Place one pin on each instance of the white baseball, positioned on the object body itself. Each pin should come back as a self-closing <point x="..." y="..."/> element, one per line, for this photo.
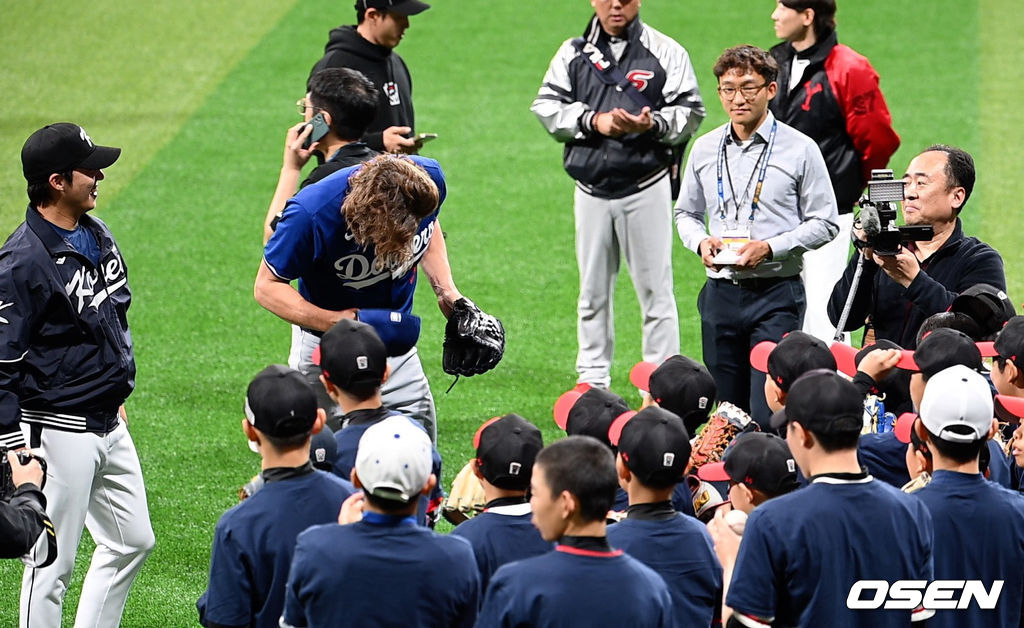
<point x="737" y="520"/>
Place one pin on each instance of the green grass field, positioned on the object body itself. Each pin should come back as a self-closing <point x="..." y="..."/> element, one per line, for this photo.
<point x="199" y="95"/>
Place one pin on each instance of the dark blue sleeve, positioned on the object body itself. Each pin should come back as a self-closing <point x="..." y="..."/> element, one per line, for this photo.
<point x="294" y="614"/>
<point x="228" y="597"/>
<point x="17" y="315"/>
<point x="753" y="587"/>
<point x="998" y="465"/>
<point x="499" y="607"/>
<point x="290" y="252"/>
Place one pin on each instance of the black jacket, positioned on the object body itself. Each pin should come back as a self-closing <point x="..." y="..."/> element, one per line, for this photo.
<point x="347" y="155"/>
<point x="346" y="48"/>
<point x="897" y="312"/>
<point x="66" y="358"/>
<point x="21" y="521"/>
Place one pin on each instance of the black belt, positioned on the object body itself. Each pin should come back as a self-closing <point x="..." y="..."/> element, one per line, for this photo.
<point x="757" y="284"/>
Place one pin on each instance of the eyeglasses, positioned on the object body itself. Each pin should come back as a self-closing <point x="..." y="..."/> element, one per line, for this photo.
<point x="749" y="92"/>
<point x="302" y="104"/>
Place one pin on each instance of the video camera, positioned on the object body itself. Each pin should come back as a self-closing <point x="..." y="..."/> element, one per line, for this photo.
<point x="878" y="216"/>
<point x="7" y="487"/>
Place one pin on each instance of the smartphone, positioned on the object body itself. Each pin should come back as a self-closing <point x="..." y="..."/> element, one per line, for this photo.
<point x="320" y="129"/>
<point x="423" y="138"/>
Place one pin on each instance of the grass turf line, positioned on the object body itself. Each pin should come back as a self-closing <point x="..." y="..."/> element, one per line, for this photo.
<point x="189" y="224"/>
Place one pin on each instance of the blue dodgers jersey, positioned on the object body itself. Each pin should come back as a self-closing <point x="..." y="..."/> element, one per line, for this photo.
<point x="366" y="574"/>
<point x="802" y="552"/>
<point x="499" y="539"/>
<point x="573" y="587"/>
<point x="680" y="550"/>
<point x="979" y="535"/>
<point x="253" y="545"/>
<point x="312" y="243"/>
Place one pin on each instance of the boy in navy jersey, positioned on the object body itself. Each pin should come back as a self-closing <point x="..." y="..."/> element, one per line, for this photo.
<point x="353" y="361"/>
<point x="584" y="582"/>
<point x="506" y="448"/>
<point x="757" y="466"/>
<point x="383" y="569"/>
<point x="254" y="541"/>
<point x="654" y="449"/>
<point x="785" y="361"/>
<point x="979" y="526"/>
<point x="802" y="552"/>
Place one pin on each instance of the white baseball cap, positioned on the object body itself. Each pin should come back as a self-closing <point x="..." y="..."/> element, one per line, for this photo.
<point x="956" y="398"/>
<point x="394" y="459"/>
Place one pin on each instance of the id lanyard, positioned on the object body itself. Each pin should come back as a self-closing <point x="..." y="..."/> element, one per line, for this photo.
<point x="761" y="171"/>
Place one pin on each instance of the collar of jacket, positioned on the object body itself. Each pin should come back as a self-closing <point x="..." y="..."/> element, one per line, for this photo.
<point x="347" y="38"/>
<point x="817" y="53"/>
<point x="52" y="241"/>
<point x="951" y="244"/>
<point x="596" y="35"/>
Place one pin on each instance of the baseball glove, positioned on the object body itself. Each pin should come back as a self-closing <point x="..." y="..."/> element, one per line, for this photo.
<point x="725" y="424"/>
<point x="466" y="498"/>
<point x="473" y="341"/>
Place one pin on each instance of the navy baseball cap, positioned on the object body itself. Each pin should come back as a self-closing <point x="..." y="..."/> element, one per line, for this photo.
<point x="987" y="305"/>
<point x="506" y="448"/>
<point x="796" y="354"/>
<point x="941" y="349"/>
<point x="680" y="385"/>
<point x="280" y="403"/>
<point x="352" y="355"/>
<point x="1009" y="345"/>
<point x="655" y="447"/>
<point x="823" y="402"/>
<point x="759" y="460"/>
<point x="323" y="449"/>
<point x="402" y="7"/>
<point x="62" y="147"/>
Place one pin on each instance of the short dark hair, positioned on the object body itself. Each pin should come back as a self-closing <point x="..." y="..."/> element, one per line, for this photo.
<point x="348" y="96"/>
<point x="961" y="453"/>
<point x="747" y="58"/>
<point x="585" y="467"/>
<point x="390" y="506"/>
<point x="824" y="14"/>
<point x="40" y="193"/>
<point x="836" y="440"/>
<point x="950" y="320"/>
<point x="289" y="443"/>
<point x="959" y="169"/>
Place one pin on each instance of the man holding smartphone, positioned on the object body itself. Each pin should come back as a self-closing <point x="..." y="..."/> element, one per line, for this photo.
<point x="369" y="48"/>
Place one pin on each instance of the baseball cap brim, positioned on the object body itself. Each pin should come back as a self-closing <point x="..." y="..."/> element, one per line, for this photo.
<point x="565" y="402"/>
<point x="1009" y="408"/>
<point x="713" y="472"/>
<point x="615" y="429"/>
<point x="778" y="419"/>
<point x="907" y="362"/>
<point x="102" y="157"/>
<point x="987" y="349"/>
<point x="846" y="358"/>
<point x="903" y="426"/>
<point x="759" y="355"/>
<point x="640" y="375"/>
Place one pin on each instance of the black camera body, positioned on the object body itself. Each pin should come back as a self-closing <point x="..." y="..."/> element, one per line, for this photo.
<point x="878" y="216"/>
<point x="7" y="487"/>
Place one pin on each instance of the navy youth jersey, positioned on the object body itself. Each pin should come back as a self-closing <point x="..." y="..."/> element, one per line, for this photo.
<point x="502" y="535"/>
<point x="979" y="535"/>
<point x="577" y="587"/>
<point x="381" y="571"/>
<point x="313" y="244"/>
<point x="802" y="552"/>
<point x="680" y="550"/>
<point x="253" y="544"/>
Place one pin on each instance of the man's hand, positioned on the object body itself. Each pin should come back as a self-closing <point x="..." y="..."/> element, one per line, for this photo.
<point x="352" y="508"/>
<point x="295" y="156"/>
<point x="727" y="542"/>
<point x="709" y="248"/>
<point x="619" y="122"/>
<point x="879" y="363"/>
<point x="24" y="473"/>
<point x="753" y="253"/>
<point x="901" y="268"/>
<point x="395" y="141"/>
<point x="860" y="237"/>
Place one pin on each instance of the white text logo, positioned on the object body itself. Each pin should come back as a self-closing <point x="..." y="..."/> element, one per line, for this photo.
<point x="913" y="594"/>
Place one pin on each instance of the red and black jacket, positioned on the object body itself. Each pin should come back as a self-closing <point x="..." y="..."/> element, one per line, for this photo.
<point x="837" y="103"/>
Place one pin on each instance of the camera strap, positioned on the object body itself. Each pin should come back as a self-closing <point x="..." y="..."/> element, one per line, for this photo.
<point x="609" y="73"/>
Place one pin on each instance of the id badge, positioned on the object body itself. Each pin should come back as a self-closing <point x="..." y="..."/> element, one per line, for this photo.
<point x="732" y="241"/>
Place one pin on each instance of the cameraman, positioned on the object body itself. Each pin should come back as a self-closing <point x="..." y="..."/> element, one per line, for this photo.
<point x="897" y="292"/>
<point x="21" y="519"/>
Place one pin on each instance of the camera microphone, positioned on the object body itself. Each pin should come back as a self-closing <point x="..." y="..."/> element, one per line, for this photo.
<point x="869" y="221"/>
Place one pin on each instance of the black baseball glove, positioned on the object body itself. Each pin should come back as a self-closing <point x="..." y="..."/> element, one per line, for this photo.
<point x="473" y="340"/>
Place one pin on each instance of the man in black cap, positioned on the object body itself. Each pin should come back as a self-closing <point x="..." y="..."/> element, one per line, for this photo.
<point x="66" y="368"/>
<point x="654" y="449"/>
<point x="254" y="541"/>
<point x="505" y="450"/>
<point x="369" y="48"/>
<point x="353" y="360"/>
<point x="757" y="466"/>
<point x="781" y="576"/>
<point x="784" y="362"/>
<point x="986" y="305"/>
